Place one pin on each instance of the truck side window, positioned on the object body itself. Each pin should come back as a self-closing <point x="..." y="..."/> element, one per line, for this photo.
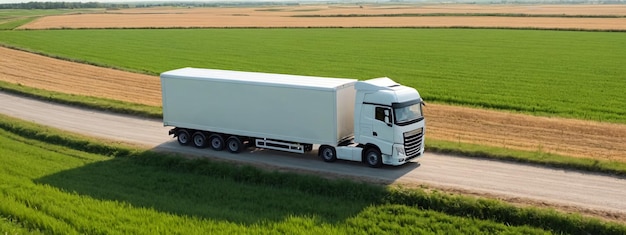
<point x="380" y="114"/>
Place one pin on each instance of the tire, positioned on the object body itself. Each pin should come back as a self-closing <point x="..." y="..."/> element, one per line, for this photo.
<point x="216" y="142"/>
<point x="234" y="144"/>
<point x="328" y="153"/>
<point x="199" y="140"/>
<point x="373" y="158"/>
<point x="183" y="137"/>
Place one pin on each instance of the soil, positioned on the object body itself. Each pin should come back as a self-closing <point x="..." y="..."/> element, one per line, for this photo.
<point x="578" y="138"/>
<point x="281" y="16"/>
<point x="38" y="71"/>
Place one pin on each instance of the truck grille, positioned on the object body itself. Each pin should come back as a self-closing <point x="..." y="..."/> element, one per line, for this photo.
<point x="413" y="142"/>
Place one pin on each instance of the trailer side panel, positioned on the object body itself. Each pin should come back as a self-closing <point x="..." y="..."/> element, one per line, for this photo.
<point x="259" y="106"/>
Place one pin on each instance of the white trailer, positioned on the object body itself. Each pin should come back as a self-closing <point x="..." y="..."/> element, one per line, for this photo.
<point x="231" y="109"/>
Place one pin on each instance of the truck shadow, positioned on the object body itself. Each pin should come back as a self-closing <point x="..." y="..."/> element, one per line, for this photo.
<point x="300" y="163"/>
<point x="197" y="188"/>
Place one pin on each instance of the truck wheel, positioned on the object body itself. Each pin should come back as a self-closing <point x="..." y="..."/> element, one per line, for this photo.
<point x="183" y="137"/>
<point x="217" y="142"/>
<point x="199" y="140"/>
<point x="373" y="158"/>
<point x="234" y="144"/>
<point x="328" y="153"/>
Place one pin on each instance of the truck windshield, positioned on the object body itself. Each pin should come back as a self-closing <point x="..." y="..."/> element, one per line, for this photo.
<point x="408" y="114"/>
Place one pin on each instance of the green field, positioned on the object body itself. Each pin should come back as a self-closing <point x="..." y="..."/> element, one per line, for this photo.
<point x="58" y="183"/>
<point x="12" y="18"/>
<point x="8" y="14"/>
<point x="553" y="73"/>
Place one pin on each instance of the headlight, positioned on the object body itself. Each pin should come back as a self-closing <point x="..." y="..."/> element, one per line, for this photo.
<point x="400" y="149"/>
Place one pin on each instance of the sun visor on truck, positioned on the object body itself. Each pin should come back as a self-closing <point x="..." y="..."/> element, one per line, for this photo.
<point x="376" y="84"/>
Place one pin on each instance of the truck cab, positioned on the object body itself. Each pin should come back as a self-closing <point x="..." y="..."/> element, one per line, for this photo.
<point x="389" y="123"/>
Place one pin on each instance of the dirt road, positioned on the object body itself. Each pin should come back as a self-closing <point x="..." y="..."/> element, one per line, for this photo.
<point x="458" y="124"/>
<point x="602" y="195"/>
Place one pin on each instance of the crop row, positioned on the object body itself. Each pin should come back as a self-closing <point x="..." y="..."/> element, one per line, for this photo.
<point x="59" y="183"/>
<point x="554" y="73"/>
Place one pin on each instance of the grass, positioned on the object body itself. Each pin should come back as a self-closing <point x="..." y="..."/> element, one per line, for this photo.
<point x="13" y="18"/>
<point x="9" y="226"/>
<point x="432" y="145"/>
<point x="551" y="73"/>
<point x="18" y="13"/>
<point x="60" y="183"/>
<point x="14" y="23"/>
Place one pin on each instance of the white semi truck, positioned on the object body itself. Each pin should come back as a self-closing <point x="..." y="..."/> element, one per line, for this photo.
<point x="377" y="121"/>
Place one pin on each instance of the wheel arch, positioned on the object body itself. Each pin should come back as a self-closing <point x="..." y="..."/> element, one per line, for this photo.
<point x="365" y="148"/>
<point x="327" y="158"/>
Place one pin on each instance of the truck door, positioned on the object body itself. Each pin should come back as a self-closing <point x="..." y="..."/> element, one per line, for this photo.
<point x="382" y="129"/>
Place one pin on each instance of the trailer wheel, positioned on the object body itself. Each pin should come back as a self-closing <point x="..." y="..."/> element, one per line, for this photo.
<point x="199" y="140"/>
<point x="183" y="137"/>
<point x="234" y="144"/>
<point x="328" y="153"/>
<point x="373" y="158"/>
<point x="217" y="142"/>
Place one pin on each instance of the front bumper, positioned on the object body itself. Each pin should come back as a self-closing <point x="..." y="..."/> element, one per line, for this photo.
<point x="398" y="157"/>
